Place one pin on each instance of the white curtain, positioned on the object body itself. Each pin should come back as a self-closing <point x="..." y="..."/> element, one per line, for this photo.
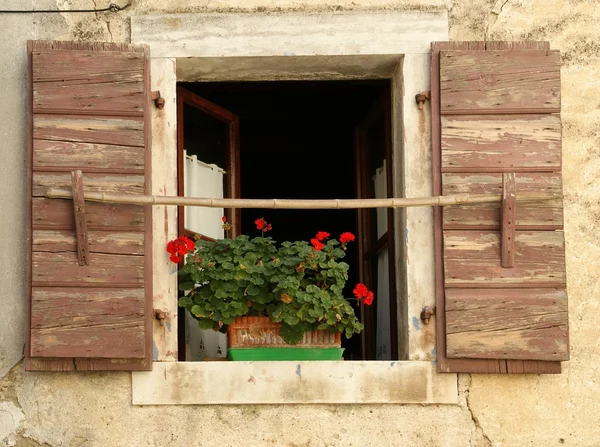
<point x="382" y="337"/>
<point x="203" y="180"/>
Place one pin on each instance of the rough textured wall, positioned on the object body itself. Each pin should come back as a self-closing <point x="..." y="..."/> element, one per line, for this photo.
<point x="94" y="409"/>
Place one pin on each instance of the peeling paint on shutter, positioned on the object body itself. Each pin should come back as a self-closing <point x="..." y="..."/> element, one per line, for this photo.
<point x="88" y="111"/>
<point x="496" y="112"/>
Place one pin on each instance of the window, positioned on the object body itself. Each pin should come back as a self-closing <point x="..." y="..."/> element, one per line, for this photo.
<point x="299" y="140"/>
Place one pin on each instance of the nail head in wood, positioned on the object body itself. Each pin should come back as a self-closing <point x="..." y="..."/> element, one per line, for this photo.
<point x="83" y="250"/>
<point x="509" y="208"/>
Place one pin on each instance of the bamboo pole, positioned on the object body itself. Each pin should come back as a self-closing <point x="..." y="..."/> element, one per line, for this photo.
<point x="461" y="199"/>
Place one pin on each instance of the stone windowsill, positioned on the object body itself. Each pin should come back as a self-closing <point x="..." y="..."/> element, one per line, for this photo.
<point x="193" y="383"/>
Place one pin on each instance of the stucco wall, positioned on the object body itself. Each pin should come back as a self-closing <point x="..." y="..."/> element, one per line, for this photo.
<point x="94" y="409"/>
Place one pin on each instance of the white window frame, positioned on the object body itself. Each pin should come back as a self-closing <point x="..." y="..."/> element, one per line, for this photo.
<point x="296" y="46"/>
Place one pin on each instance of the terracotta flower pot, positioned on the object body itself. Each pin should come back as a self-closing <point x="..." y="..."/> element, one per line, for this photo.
<point x="262" y="332"/>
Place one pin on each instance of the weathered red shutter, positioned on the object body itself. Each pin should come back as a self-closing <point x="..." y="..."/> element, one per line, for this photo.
<point x="500" y="273"/>
<point x="88" y="111"/>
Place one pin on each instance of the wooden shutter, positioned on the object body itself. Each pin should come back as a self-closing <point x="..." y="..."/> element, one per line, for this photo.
<point x="88" y="111"/>
<point x="500" y="272"/>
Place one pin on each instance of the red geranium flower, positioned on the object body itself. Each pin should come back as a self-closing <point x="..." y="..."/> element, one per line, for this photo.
<point x="179" y="247"/>
<point x="260" y="223"/>
<point x="321" y="235"/>
<point x="317" y="244"/>
<point x="226" y="225"/>
<point x="360" y="291"/>
<point x="176" y="258"/>
<point x="346" y="237"/>
<point x="188" y="242"/>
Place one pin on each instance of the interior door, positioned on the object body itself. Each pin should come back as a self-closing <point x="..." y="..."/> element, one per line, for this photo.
<point x="207" y="166"/>
<point x="373" y="152"/>
<point x="216" y="143"/>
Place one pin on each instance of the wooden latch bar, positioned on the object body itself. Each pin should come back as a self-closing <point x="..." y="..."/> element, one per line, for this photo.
<point x="83" y="248"/>
<point x="509" y="208"/>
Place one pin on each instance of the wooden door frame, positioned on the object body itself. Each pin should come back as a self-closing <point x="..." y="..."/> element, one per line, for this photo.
<point x="366" y="249"/>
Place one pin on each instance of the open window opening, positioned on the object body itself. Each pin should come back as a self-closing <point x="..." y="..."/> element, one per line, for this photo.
<point x="297" y="140"/>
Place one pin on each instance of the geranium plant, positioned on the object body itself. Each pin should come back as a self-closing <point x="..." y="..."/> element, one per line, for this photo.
<point x="298" y="284"/>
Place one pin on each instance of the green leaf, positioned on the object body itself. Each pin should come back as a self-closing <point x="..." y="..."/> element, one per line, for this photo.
<point x="220" y="293"/>
<point x="185" y="301"/>
<point x="252" y="290"/>
<point x="292" y="319"/>
<point x="189" y="285"/>
<point x="197" y="311"/>
<point x="291" y="334"/>
<point x="205" y="323"/>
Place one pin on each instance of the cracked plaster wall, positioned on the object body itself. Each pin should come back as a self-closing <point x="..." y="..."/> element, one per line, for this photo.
<point x="86" y="409"/>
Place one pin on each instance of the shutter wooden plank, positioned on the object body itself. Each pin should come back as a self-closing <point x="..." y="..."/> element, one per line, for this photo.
<point x="548" y="214"/>
<point x="57" y="214"/>
<point x="507" y="324"/>
<point x="48" y="154"/>
<point x="87" y="129"/>
<point x="477" y="82"/>
<point x="491" y="142"/>
<point x="126" y="184"/>
<point x="516" y="45"/>
<point x="105" y="270"/>
<point x="87" y="364"/>
<point x="473" y="258"/>
<point x="532" y="367"/>
<point x="122" y="98"/>
<point x="85" y="66"/>
<point x="106" y="242"/>
<point x="83" y="323"/>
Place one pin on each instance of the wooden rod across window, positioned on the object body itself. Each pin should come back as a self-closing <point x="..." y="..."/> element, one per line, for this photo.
<point x="461" y="199"/>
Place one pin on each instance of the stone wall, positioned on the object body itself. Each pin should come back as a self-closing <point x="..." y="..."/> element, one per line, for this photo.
<point x="86" y="409"/>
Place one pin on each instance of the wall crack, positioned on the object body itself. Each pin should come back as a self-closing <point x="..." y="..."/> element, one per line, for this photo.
<point x="493" y="16"/>
<point x="482" y="439"/>
<point x="498" y="7"/>
<point x="107" y="22"/>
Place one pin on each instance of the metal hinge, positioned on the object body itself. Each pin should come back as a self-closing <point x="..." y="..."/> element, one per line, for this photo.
<point x="427" y="313"/>
<point x="161" y="316"/>
<point x="421" y="98"/>
<point x="158" y="101"/>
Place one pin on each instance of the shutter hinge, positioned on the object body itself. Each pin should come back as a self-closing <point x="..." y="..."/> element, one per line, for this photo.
<point x="427" y="313"/>
<point x="158" y="101"/>
<point x="421" y="98"/>
<point x="161" y="316"/>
